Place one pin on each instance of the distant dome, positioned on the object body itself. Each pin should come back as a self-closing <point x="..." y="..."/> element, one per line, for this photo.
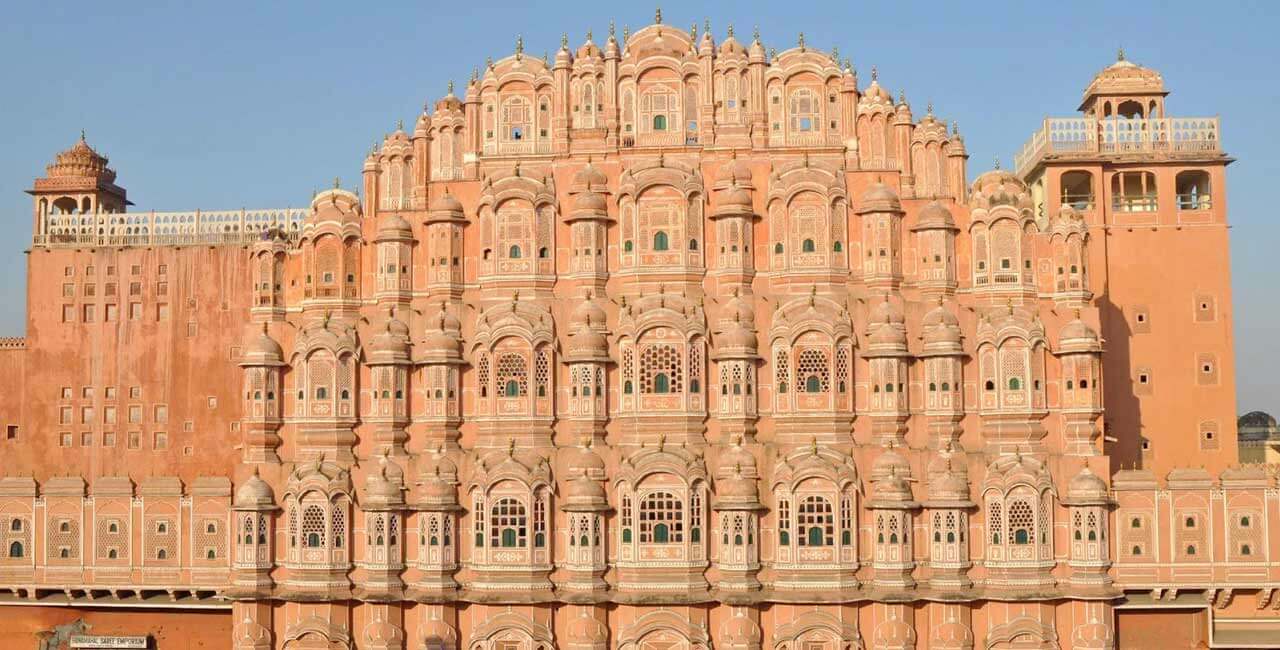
<point x="935" y="216"/>
<point x="394" y="225"/>
<point x="1125" y="78"/>
<point x="880" y="198"/>
<point x="1087" y="485"/>
<point x="1256" y="419"/>
<point x="81" y="161"/>
<point x="255" y="493"/>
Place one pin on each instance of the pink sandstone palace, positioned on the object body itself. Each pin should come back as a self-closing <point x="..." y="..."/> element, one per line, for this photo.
<point x="668" y="342"/>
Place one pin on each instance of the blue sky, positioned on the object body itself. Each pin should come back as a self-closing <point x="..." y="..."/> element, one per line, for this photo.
<point x="244" y="104"/>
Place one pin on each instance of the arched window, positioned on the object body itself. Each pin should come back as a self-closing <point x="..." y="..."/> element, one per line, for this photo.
<point x="1014" y="383"/>
<point x="661" y="519"/>
<point x="813" y="384"/>
<point x="15" y="550"/>
<point x="1077" y="190"/>
<point x="627" y="246"/>
<point x="313" y="526"/>
<point x="661" y="384"/>
<point x="514" y="253"/>
<point x="815" y="522"/>
<point x="1193" y="190"/>
<point x="512" y="389"/>
<point x="837" y="247"/>
<point x="508" y="524"/>
<point x="1020" y="522"/>
<point x="777" y="248"/>
<point x="659" y="122"/>
<point x="660" y="241"/>
<point x="16" y="525"/>
<point x="808" y="246"/>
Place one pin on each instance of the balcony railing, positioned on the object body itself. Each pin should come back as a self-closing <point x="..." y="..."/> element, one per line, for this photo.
<point x="1085" y="135"/>
<point x="212" y="228"/>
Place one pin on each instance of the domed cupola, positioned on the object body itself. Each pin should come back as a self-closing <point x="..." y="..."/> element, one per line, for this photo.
<point x="739" y="631"/>
<point x="730" y="46"/>
<point x="886" y="330"/>
<point x="437" y="481"/>
<point x="81" y="161"/>
<point x="589" y="50"/>
<point x="935" y="216"/>
<point x="394" y="228"/>
<point x="334" y="205"/>
<point x="262" y="350"/>
<point x="949" y="487"/>
<point x="584" y="490"/>
<point x="391" y="345"/>
<point x="255" y="494"/>
<point x="942" y="334"/>
<point x="1087" y="487"/>
<point x="441" y="343"/>
<point x="755" y="51"/>
<point x="1077" y="336"/>
<point x="733" y="172"/>
<point x="588" y="341"/>
<point x="384" y="486"/>
<point x="445" y="207"/>
<point x="892" y="489"/>
<point x="584" y="631"/>
<point x="889" y="462"/>
<point x="880" y="198"/>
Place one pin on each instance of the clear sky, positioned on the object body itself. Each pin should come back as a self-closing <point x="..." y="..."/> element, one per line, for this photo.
<point x="222" y="105"/>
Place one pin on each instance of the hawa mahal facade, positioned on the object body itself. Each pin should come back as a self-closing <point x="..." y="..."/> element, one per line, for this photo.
<point x="663" y="343"/>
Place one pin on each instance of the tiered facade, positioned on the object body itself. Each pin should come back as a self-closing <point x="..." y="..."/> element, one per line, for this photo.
<point x="664" y="343"/>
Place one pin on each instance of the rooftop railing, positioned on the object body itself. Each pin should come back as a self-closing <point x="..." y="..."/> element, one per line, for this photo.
<point x="1086" y="135"/>
<point x="212" y="228"/>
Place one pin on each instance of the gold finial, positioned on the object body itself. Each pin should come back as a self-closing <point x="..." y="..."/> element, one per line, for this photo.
<point x="511" y="447"/>
<point x="564" y="40"/>
<point x="611" y="29"/>
<point x="997" y="163"/>
<point x="82" y="135"/>
<point x="693" y="31"/>
<point x="337" y="183"/>
<point x="519" y="44"/>
<point x="801" y="41"/>
<point x="755" y="33"/>
<point x="662" y="441"/>
<point x="875" y="73"/>
<point x="848" y="65"/>
<point x="450" y="86"/>
<point x="929" y="107"/>
<point x="488" y="62"/>
<point x="626" y="33"/>
<point x="730" y="30"/>
<point x="590" y="33"/>
<point x="1120" y="54"/>
<point x="400" y="125"/>
<point x="657" y="16"/>
<point x="835" y="54"/>
<point x="813" y="445"/>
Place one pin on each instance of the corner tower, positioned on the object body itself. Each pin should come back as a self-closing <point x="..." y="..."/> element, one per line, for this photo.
<point x="76" y="190"/>
<point x="1145" y="188"/>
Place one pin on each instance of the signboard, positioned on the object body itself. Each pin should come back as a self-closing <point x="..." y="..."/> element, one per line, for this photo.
<point x="95" y="641"/>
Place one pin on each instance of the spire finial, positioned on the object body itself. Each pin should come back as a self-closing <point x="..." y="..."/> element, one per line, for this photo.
<point x="519" y="44"/>
<point x="1120" y="54"/>
<point x="400" y="125"/>
<point x="730" y="30"/>
<point x="337" y="183"/>
<point x="902" y="96"/>
<point x="706" y="27"/>
<point x="955" y="128"/>
<point x="693" y="31"/>
<point x="835" y="54"/>
<point x="450" y="86"/>
<point x="997" y="163"/>
<point x="590" y="35"/>
<point x="612" y="29"/>
<point x="800" y="41"/>
<point x="657" y="15"/>
<point x="511" y="447"/>
<point x="564" y="40"/>
<point x="475" y="74"/>
<point x="848" y="65"/>
<point x="813" y="445"/>
<point x="755" y="33"/>
<point x="626" y="33"/>
<point x="929" y="107"/>
<point x="875" y="73"/>
<point x="82" y="135"/>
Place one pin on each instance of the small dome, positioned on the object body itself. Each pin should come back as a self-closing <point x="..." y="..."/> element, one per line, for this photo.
<point x="582" y="459"/>
<point x="731" y="46"/>
<point x="740" y="631"/>
<point x="1256" y="419"/>
<point x="736" y="196"/>
<point x="588" y="313"/>
<point x="737" y="458"/>
<point x="740" y="309"/>
<point x="887" y="311"/>
<point x="590" y="202"/>
<point x="81" y="161"/>
<point x="1077" y="336"/>
<point x="590" y="178"/>
<point x="737" y="336"/>
<point x="589" y="50"/>
<point x="389" y="341"/>
<point x="335" y="205"/>
<point x="394" y="225"/>
<point x="880" y="198"/>
<point x="440" y="340"/>
<point x="935" y="216"/>
<point x="876" y="91"/>
<point x="380" y="488"/>
<point x="737" y="488"/>
<point x="734" y="172"/>
<point x="262" y="349"/>
<point x="588" y="342"/>
<point x="890" y="462"/>
<point x="1087" y="485"/>
<point x="949" y="484"/>
<point x="941" y="330"/>
<point x="893" y="488"/>
<point x="255" y="493"/>
<point x="446" y="203"/>
<point x="1125" y="77"/>
<point x="584" y="488"/>
<point x="585" y="629"/>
